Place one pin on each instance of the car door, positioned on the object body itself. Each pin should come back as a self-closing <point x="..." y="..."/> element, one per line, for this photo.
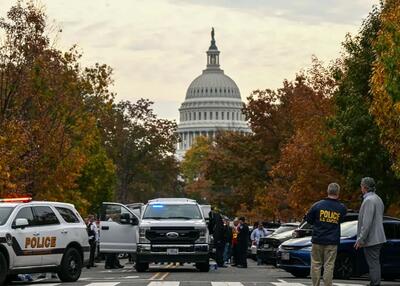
<point x="51" y="241"/>
<point x="391" y="249"/>
<point x="118" y="235"/>
<point x="25" y="240"/>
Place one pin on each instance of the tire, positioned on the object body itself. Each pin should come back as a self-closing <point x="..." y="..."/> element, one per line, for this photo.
<point x="344" y="267"/>
<point x="71" y="266"/>
<point x="141" y="266"/>
<point x="390" y="277"/>
<point x="300" y="273"/>
<point x="203" y="266"/>
<point x="3" y="268"/>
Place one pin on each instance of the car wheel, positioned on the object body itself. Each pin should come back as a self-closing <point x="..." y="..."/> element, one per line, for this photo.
<point x="203" y="267"/>
<point x="3" y="268"/>
<point x="71" y="266"/>
<point x="390" y="277"/>
<point x="141" y="266"/>
<point x="300" y="273"/>
<point x="344" y="267"/>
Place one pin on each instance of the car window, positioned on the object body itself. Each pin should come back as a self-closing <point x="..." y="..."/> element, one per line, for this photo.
<point x="348" y="229"/>
<point x="45" y="216"/>
<point x="390" y="230"/>
<point x="113" y="213"/>
<point x="172" y="211"/>
<point x="68" y="215"/>
<point x="26" y="213"/>
<point x="284" y="228"/>
<point x="5" y="213"/>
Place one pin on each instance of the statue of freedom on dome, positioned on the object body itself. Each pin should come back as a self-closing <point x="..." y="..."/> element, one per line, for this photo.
<point x="212" y="34"/>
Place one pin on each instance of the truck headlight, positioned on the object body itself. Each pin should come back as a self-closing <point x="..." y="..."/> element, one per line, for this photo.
<point x="203" y="235"/>
<point x="142" y="236"/>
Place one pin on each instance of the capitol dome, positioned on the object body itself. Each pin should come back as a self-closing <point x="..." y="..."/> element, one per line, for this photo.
<point x="212" y="104"/>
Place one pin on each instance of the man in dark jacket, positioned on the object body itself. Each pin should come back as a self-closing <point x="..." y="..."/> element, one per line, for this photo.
<point x="242" y="243"/>
<point x="325" y="216"/>
<point x="219" y="239"/>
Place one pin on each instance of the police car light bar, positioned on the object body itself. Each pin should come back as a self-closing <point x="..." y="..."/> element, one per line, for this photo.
<point x="16" y="200"/>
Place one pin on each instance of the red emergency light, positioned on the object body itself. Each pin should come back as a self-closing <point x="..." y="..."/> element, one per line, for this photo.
<point x="16" y="200"/>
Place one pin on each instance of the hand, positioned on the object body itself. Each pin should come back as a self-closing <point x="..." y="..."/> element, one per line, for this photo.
<point x="357" y="245"/>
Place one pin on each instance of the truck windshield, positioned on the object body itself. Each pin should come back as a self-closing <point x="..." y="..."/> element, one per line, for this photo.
<point x="172" y="211"/>
<point x="4" y="214"/>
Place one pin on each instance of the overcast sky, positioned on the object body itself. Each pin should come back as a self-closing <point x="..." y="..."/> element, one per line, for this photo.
<point x="157" y="47"/>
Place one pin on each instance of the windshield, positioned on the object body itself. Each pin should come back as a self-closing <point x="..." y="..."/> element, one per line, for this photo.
<point x="170" y="211"/>
<point x="284" y="228"/>
<point x="348" y="229"/>
<point x="4" y="214"/>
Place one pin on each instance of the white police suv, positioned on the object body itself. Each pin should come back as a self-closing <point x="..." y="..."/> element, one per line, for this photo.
<point x="38" y="237"/>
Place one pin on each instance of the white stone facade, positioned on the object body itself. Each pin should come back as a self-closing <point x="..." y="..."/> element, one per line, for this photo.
<point x="213" y="103"/>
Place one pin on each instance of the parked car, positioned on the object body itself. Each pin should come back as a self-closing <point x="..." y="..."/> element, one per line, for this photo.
<point x="294" y="255"/>
<point x="269" y="245"/>
<point x="305" y="229"/>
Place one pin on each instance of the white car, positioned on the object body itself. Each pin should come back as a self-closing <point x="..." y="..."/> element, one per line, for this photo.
<point x="37" y="237"/>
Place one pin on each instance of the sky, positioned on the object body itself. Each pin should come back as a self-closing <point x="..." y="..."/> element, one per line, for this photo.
<point x="157" y="47"/>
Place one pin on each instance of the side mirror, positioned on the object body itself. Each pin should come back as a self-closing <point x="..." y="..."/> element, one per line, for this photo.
<point x="125" y="218"/>
<point x="134" y="220"/>
<point x="21" y="223"/>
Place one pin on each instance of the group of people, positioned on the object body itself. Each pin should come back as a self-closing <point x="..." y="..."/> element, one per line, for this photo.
<point x="326" y="216"/>
<point x="231" y="241"/>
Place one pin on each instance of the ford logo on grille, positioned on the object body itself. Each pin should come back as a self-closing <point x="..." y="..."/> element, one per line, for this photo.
<point x="172" y="235"/>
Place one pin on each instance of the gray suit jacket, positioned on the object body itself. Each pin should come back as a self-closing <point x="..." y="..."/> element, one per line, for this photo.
<point x="370" y="221"/>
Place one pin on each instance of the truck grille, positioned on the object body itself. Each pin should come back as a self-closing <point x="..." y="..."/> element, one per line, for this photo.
<point x="172" y="235"/>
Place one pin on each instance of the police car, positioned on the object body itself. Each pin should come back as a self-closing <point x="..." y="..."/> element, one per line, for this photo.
<point x="38" y="237"/>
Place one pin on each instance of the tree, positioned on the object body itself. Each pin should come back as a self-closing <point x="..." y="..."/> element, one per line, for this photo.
<point x="142" y="147"/>
<point x="385" y="81"/>
<point x="48" y="134"/>
<point x="301" y="176"/>
<point x="355" y="140"/>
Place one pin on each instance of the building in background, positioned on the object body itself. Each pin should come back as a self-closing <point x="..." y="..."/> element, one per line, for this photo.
<point x="212" y="104"/>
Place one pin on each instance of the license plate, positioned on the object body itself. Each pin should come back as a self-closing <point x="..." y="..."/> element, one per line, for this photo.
<point x="285" y="256"/>
<point x="172" y="251"/>
<point x="266" y="245"/>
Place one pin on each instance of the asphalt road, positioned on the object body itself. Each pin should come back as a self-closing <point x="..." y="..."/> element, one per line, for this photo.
<point x="171" y="275"/>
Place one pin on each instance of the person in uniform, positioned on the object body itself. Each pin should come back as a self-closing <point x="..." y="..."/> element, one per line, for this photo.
<point x="325" y="216"/>
<point x="93" y="239"/>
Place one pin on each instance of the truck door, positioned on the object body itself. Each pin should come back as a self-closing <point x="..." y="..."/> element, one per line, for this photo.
<point x="118" y="229"/>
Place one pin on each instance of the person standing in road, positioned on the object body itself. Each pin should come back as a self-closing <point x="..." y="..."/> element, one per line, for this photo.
<point x="234" y="241"/>
<point x="219" y="239"/>
<point x="242" y="243"/>
<point x="325" y="216"/>
<point x="93" y="238"/>
<point x="228" y="241"/>
<point x="370" y="231"/>
<point x="258" y="232"/>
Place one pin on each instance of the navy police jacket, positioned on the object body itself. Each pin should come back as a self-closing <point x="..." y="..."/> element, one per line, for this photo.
<point x="326" y="216"/>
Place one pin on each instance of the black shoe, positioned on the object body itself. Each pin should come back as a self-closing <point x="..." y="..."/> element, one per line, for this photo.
<point x="222" y="266"/>
<point x="241" y="266"/>
<point x="119" y="266"/>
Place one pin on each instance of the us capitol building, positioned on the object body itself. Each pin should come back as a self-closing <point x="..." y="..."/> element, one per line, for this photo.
<point x="212" y="104"/>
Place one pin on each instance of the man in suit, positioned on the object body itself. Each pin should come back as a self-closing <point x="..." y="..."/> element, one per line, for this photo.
<point x="370" y="232"/>
<point x="242" y="243"/>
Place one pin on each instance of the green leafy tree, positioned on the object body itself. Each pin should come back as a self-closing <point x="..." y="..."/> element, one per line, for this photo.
<point x="142" y="147"/>
<point x="356" y="148"/>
